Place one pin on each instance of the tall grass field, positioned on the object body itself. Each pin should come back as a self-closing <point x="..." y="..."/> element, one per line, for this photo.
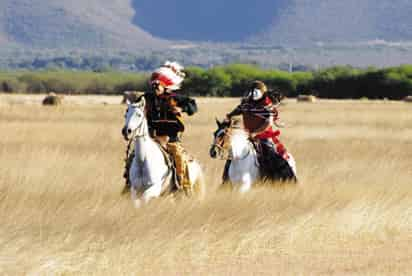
<point x="62" y="212"/>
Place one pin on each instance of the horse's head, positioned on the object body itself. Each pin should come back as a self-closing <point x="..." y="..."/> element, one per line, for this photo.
<point x="230" y="140"/>
<point x="220" y="139"/>
<point x="134" y="119"/>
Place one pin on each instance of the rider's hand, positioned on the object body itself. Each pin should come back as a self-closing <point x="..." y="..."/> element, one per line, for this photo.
<point x="176" y="110"/>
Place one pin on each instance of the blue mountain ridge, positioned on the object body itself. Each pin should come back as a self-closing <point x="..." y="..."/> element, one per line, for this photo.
<point x="124" y="24"/>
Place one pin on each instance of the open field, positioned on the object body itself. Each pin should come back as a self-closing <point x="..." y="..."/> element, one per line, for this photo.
<point x="62" y="213"/>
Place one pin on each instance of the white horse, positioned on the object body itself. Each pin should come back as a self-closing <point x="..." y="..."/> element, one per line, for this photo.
<point x="244" y="168"/>
<point x="149" y="175"/>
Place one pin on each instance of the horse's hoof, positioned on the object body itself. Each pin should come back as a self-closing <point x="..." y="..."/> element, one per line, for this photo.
<point x="125" y="190"/>
<point x="137" y="203"/>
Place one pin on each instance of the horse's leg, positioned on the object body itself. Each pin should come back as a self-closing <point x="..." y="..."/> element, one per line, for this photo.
<point x="152" y="192"/>
<point x="126" y="174"/>
<point x="135" y="184"/>
<point x="225" y="176"/>
<point x="242" y="174"/>
<point x="153" y="172"/>
<point x="196" y="179"/>
<point x="246" y="183"/>
<point x="136" y="201"/>
<point x="235" y="177"/>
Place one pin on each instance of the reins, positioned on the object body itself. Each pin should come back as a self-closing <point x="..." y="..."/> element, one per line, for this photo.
<point x="133" y="139"/>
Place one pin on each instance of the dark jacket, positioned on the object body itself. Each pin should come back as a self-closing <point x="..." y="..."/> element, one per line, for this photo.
<point x="161" y="118"/>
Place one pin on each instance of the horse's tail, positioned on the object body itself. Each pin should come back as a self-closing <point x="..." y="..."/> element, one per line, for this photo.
<point x="197" y="179"/>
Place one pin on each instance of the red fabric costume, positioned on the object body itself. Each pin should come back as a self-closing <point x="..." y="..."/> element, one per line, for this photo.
<point x="270" y="133"/>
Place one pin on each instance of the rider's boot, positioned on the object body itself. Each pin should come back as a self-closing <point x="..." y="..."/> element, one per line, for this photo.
<point x="176" y="150"/>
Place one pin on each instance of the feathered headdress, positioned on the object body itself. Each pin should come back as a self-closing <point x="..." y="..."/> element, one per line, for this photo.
<point x="170" y="75"/>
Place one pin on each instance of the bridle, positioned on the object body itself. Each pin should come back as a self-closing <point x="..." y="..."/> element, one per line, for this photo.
<point x="139" y="131"/>
<point x="135" y="134"/>
<point x="223" y="152"/>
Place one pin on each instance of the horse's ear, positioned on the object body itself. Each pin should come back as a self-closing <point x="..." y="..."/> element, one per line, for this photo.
<point x="126" y="97"/>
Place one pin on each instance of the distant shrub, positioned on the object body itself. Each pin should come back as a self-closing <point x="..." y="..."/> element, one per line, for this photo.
<point x="12" y="86"/>
<point x="130" y="86"/>
<point x="339" y="82"/>
<point x="408" y="99"/>
<point x="52" y="99"/>
<point x="99" y="87"/>
<point x="306" y="98"/>
<point x="33" y="83"/>
<point x="59" y="85"/>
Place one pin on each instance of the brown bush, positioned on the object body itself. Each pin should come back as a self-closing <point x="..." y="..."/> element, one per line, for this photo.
<point x="52" y="99"/>
<point x="408" y="99"/>
<point x="306" y="98"/>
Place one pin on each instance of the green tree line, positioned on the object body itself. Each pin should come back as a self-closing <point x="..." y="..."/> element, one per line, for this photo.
<point x="224" y="81"/>
<point x="71" y="82"/>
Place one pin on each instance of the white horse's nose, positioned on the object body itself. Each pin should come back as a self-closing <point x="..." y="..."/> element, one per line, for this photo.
<point x="213" y="152"/>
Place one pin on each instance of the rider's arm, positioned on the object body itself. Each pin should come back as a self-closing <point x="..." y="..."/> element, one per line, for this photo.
<point x="187" y="105"/>
<point x="238" y="109"/>
<point x="235" y="112"/>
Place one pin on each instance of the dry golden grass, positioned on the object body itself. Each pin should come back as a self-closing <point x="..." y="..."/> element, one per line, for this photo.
<point x="62" y="213"/>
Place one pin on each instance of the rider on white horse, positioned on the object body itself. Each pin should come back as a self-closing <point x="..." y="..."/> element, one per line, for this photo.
<point x="260" y="114"/>
<point x="164" y="108"/>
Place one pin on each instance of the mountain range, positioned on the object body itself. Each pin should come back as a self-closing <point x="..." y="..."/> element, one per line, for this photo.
<point x="72" y="24"/>
<point x="204" y="33"/>
<point x="334" y="21"/>
<point x="147" y="23"/>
